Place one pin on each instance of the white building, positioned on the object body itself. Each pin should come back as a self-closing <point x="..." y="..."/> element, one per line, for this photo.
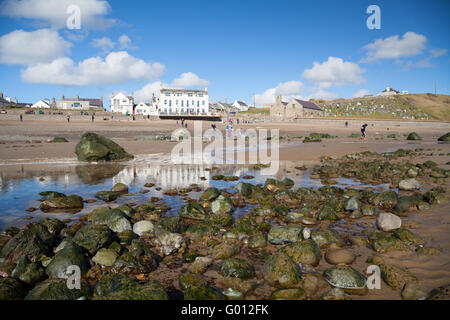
<point x="42" y="104"/>
<point x="388" y="92"/>
<point x="122" y="103"/>
<point x="183" y="102"/>
<point x="242" y="106"/>
<point x="146" y="109"/>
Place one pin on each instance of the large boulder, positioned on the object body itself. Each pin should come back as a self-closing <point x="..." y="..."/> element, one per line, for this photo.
<point x="339" y="256"/>
<point x="281" y="271"/>
<point x="105" y="257"/>
<point x="445" y="137"/>
<point x="385" y="200"/>
<point x="120" y="188"/>
<point x="93" y="148"/>
<point x="93" y="237"/>
<point x="27" y="271"/>
<point x="33" y="241"/>
<point x="142" y="226"/>
<point x="244" y="188"/>
<point x="413" y="136"/>
<point x="168" y="242"/>
<point x="70" y="255"/>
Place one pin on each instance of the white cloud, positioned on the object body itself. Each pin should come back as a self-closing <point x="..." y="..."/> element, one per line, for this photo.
<point x="189" y="79"/>
<point x="438" y="52"/>
<point x="361" y="93"/>
<point x="53" y="12"/>
<point x="334" y="71"/>
<point x="105" y="44"/>
<point x="288" y="90"/>
<point x="318" y="93"/>
<point x="125" y="42"/>
<point x="22" y="47"/>
<point x="145" y="94"/>
<point x="116" y="67"/>
<point x="394" y="47"/>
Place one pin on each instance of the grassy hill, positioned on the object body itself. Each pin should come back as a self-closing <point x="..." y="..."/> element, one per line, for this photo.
<point x="436" y="105"/>
<point x="405" y="107"/>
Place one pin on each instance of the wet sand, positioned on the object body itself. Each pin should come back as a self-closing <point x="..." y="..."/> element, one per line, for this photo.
<point x="26" y="141"/>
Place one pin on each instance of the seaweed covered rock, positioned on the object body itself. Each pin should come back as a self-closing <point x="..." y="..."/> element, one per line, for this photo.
<point x="27" y="271"/>
<point x="222" y="205"/>
<point x="413" y="136"/>
<point x="10" y="289"/>
<point x="238" y="268"/>
<point x="94" y="148"/>
<point x="345" y="277"/>
<point x="288" y="294"/>
<point x="326" y="237"/>
<point x="68" y="256"/>
<point x="120" y="287"/>
<point x="280" y="270"/>
<point x="193" y="211"/>
<point x="93" y="237"/>
<point x="57" y="289"/>
<point x="204" y="293"/>
<point x="62" y="203"/>
<point x="210" y="194"/>
<point x="285" y="234"/>
<point x="396" y="277"/>
<point x="32" y="241"/>
<point x="445" y="137"/>
<point x="305" y="252"/>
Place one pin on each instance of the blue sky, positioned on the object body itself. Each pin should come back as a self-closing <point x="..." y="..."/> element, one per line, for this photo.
<point x="304" y="49"/>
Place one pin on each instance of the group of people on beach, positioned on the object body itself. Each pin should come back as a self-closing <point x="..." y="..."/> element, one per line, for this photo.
<point x="183" y="123"/>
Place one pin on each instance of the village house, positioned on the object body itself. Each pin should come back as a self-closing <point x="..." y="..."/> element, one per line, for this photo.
<point x="146" y="109"/>
<point x="242" y="106"/>
<point x="294" y="109"/>
<point x="79" y="103"/>
<point x="122" y="103"/>
<point x="42" y="104"/>
<point x="183" y="102"/>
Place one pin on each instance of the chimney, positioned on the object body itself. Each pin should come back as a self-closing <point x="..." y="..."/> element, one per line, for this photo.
<point x="1" y="95"/>
<point x="54" y="101"/>
<point x="15" y="100"/>
<point x="78" y="98"/>
<point x="63" y="97"/>
<point x="278" y="99"/>
<point x="101" y="101"/>
<point x="206" y="89"/>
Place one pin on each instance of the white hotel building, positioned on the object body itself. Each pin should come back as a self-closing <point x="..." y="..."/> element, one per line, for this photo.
<point x="183" y="102"/>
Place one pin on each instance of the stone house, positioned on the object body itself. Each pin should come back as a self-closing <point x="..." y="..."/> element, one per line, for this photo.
<point x="294" y="109"/>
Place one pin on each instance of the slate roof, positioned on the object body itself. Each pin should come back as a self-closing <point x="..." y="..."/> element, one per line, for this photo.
<point x="308" y="105"/>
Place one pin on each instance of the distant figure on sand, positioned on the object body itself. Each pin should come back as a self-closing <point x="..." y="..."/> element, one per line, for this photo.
<point x="363" y="131"/>
<point x="21" y="118"/>
<point x="346" y="124"/>
<point x="92" y="118"/>
<point x="68" y="118"/>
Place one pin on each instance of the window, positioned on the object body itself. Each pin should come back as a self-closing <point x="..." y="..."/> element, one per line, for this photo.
<point x="167" y="94"/>
<point x="187" y="103"/>
<point x="200" y="94"/>
<point x="189" y="94"/>
<point x="182" y="103"/>
<point x="165" y="101"/>
<point x="198" y="103"/>
<point x="203" y="102"/>
<point x="170" y="103"/>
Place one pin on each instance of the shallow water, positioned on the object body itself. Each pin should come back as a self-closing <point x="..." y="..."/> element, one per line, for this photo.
<point x="20" y="184"/>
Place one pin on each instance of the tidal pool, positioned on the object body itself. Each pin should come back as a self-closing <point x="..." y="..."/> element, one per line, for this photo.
<point x="20" y="184"/>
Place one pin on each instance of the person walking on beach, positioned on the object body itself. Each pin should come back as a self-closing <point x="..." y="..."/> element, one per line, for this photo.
<point x="363" y="131"/>
<point x="346" y="124"/>
<point x="21" y="117"/>
<point x="92" y="117"/>
<point x="68" y="118"/>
